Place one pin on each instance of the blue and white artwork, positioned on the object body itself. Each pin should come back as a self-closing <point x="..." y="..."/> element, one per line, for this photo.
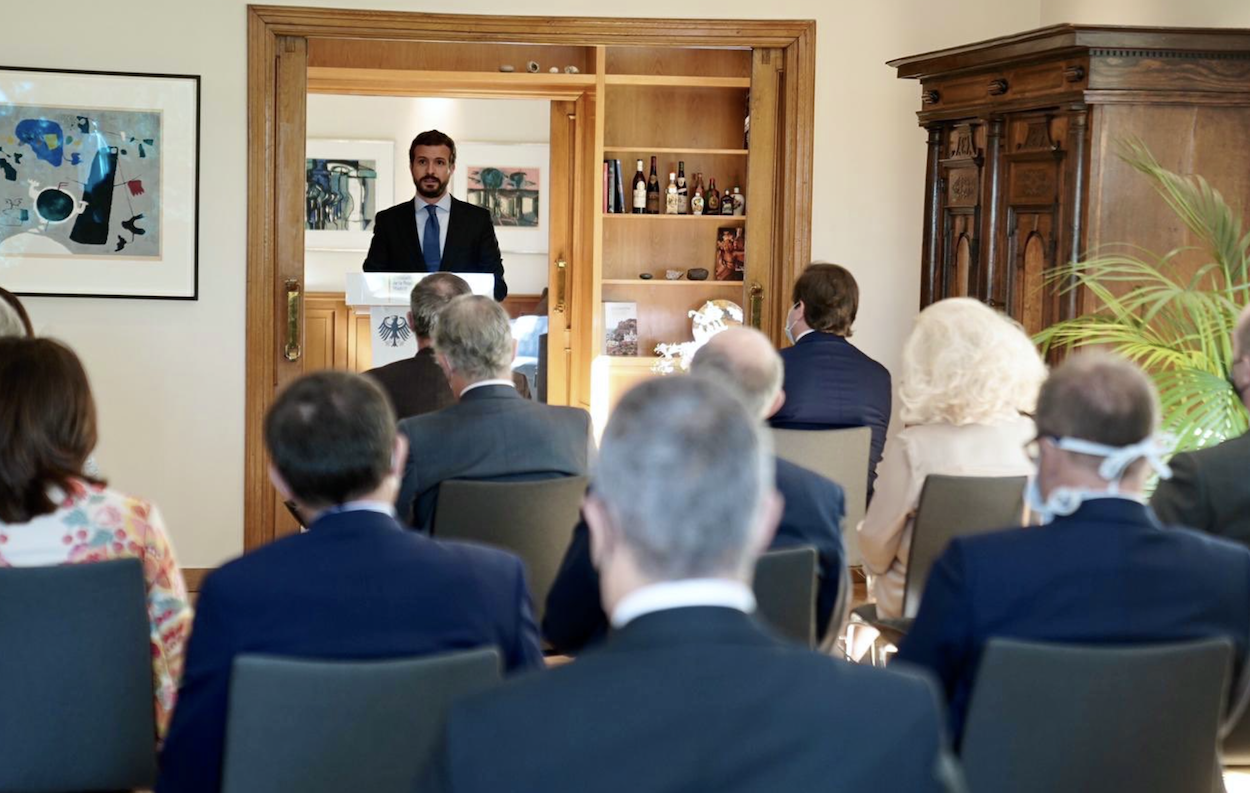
<point x="346" y="184"/>
<point x="80" y="181"/>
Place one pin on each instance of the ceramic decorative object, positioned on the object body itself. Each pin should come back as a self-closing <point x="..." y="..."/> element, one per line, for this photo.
<point x="532" y="67"/>
<point x="713" y="317"/>
<point x="554" y="70"/>
<point x="572" y="70"/>
<point x="645" y="276"/>
<point x="697" y="274"/>
<point x="673" y="275"/>
<point x="507" y="67"/>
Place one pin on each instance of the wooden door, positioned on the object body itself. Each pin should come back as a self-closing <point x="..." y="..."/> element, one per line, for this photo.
<point x="960" y="172"/>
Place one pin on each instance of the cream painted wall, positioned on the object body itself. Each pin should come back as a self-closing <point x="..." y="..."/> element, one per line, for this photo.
<point x="1192" y="13"/>
<point x="398" y="119"/>
<point x="169" y="377"/>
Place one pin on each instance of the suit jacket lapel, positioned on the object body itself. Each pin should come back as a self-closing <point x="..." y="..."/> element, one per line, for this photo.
<point x="453" y="249"/>
<point x="409" y="240"/>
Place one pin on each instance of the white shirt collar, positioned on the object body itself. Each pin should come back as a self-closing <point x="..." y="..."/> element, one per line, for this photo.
<point x="443" y="203"/>
<point x="361" y="506"/>
<point x="801" y="335"/>
<point x="481" y="383"/>
<point x="683" y="594"/>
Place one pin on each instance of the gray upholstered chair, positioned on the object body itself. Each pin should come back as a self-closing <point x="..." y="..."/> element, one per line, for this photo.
<point x="533" y="519"/>
<point x="1048" y="717"/>
<point x="785" y="592"/>
<point x="76" y="707"/>
<point x="838" y="455"/>
<point x="331" y="726"/>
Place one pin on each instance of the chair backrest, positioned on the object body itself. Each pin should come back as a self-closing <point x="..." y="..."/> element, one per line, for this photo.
<point x="1048" y="717"/>
<point x="785" y="592"/>
<point x="76" y="698"/>
<point x="330" y="726"/>
<point x="533" y="519"/>
<point x="839" y="455"/>
<point x="957" y="506"/>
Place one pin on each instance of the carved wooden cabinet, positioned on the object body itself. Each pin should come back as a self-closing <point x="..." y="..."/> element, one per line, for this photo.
<point x="1022" y="171"/>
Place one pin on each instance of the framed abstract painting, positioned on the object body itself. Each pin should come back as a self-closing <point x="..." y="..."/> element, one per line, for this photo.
<point x="510" y="180"/>
<point x="99" y="184"/>
<point x="347" y="182"/>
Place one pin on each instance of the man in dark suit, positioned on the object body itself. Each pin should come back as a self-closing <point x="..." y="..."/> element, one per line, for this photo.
<point x="690" y="693"/>
<point x="741" y="359"/>
<point x="435" y="231"/>
<point x="829" y="383"/>
<point x="1210" y="489"/>
<point x="491" y="433"/>
<point x="354" y="586"/>
<point x="1104" y="570"/>
<point x="417" y="385"/>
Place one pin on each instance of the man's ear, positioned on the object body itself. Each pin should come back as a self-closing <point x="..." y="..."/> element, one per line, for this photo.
<point x="280" y="484"/>
<point x="769" y="517"/>
<point x="777" y="403"/>
<point x="411" y="322"/>
<point x="399" y="455"/>
<point x="602" y="531"/>
<point x="515" y="346"/>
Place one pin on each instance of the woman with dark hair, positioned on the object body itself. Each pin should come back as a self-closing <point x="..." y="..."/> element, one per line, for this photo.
<point x="14" y="321"/>
<point x="51" y="513"/>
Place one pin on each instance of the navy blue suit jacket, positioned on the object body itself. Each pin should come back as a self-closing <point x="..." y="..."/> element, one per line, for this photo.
<point x="830" y="384"/>
<point x="696" y="699"/>
<point x="1107" y="574"/>
<point x="355" y="586"/>
<point x="471" y="245"/>
<point x="814" y="508"/>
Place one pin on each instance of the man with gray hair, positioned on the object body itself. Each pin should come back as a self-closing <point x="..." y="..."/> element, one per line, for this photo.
<point x="1102" y="570"/>
<point x="689" y="693"/>
<point x="743" y="362"/>
<point x="417" y="385"/>
<point x="1210" y="489"/>
<point x="491" y="433"/>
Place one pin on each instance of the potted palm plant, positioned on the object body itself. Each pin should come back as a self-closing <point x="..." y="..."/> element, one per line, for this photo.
<point x="1174" y="321"/>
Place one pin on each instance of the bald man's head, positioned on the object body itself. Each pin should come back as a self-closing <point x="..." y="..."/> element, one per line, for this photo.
<point x="743" y="359"/>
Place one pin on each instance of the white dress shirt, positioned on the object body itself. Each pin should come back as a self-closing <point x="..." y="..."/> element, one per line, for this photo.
<point x="481" y="383"/>
<point x="443" y="212"/>
<point x="683" y="594"/>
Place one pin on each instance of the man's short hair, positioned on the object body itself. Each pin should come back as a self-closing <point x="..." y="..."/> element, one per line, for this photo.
<point x="682" y="473"/>
<point x="830" y="298"/>
<point x="474" y="334"/>
<point x="1099" y="397"/>
<point x="331" y="436"/>
<point x="430" y="296"/>
<point x="757" y="377"/>
<point x="432" y="137"/>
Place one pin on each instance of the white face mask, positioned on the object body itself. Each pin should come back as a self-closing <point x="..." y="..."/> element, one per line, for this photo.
<point x="1064" y="501"/>
<point x="790" y="320"/>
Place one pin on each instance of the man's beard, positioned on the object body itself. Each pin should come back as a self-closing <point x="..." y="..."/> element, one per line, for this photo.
<point x="428" y="192"/>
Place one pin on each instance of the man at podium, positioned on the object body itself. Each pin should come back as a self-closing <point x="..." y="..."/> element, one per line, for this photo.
<point x="435" y="231"/>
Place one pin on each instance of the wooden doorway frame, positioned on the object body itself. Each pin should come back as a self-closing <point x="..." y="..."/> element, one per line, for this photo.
<point x="276" y="126"/>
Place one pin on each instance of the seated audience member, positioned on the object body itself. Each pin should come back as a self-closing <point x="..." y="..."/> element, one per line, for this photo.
<point x="1210" y="489"/>
<point x="829" y="383"/>
<point x="14" y="321"/>
<point x="416" y="385"/>
<point x="491" y="433"/>
<point x="742" y="360"/>
<point x="690" y="693"/>
<point x="968" y="375"/>
<point x="53" y="514"/>
<point x="1101" y="570"/>
<point x="354" y="586"/>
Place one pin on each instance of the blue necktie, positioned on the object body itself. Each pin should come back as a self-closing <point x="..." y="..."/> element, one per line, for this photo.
<point x="429" y="247"/>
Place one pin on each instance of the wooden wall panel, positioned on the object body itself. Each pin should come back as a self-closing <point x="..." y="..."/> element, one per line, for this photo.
<point x="443" y="56"/>
<point x="674" y="117"/>
<point x="687" y="62"/>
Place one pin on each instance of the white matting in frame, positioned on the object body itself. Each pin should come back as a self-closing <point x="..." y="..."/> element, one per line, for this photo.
<point x="346" y="183"/>
<point x="513" y="181"/>
<point x="99" y="183"/>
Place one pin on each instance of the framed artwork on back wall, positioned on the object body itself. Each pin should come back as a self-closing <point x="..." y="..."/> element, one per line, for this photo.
<point x="510" y="180"/>
<point x="99" y="184"/>
<point x="347" y="182"/>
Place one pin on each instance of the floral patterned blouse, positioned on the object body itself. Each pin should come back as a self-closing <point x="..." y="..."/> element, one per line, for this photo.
<point x="94" y="523"/>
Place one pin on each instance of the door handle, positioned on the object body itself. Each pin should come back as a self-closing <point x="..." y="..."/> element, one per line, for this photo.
<point x="292" y="350"/>
<point x="562" y="275"/>
<point x="755" y="298"/>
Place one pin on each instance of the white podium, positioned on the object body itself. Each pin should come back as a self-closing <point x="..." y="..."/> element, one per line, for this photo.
<point x="385" y="296"/>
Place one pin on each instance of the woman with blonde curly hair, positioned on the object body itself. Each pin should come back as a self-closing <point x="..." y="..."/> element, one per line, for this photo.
<point x="970" y="376"/>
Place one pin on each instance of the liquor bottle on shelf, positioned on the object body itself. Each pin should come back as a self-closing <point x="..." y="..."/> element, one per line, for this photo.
<point x="740" y="203"/>
<point x="653" y="191"/>
<point x="671" y="204"/>
<point x="697" y="200"/>
<point x="712" y="199"/>
<point x="683" y="193"/>
<point x="727" y="203"/>
<point x="640" y="191"/>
